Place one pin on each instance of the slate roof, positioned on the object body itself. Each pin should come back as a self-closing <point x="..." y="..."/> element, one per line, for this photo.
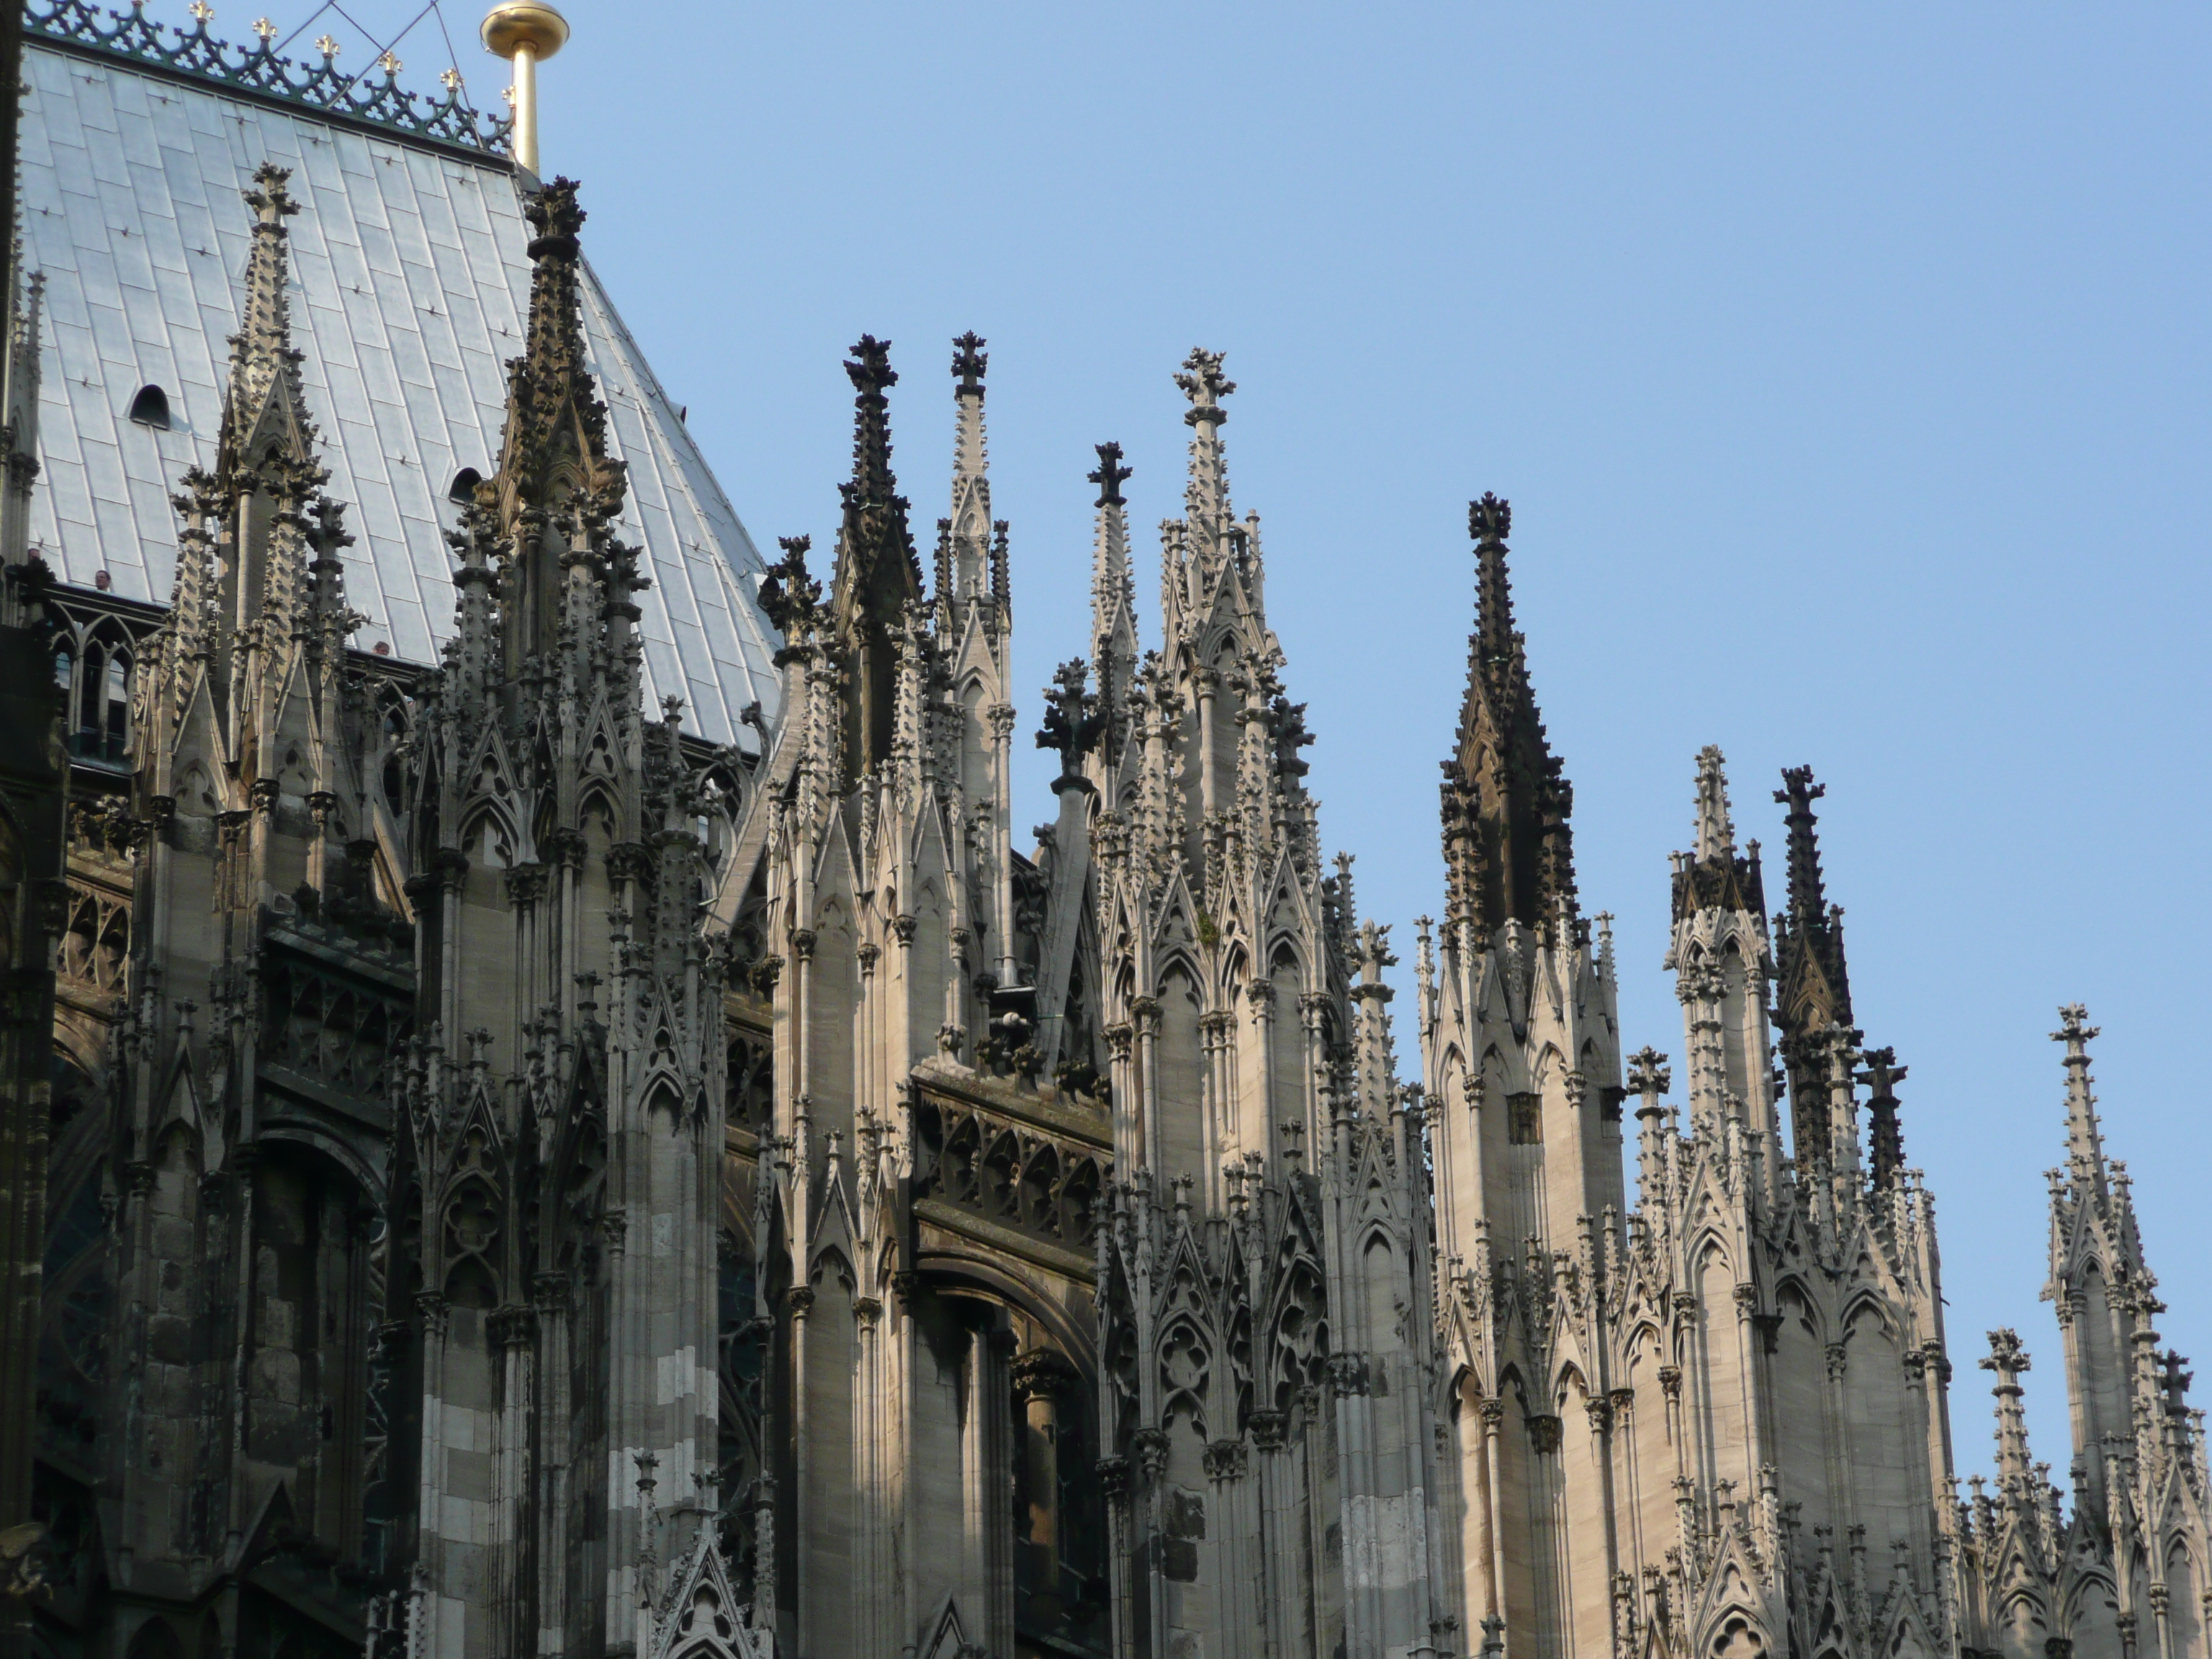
<point x="410" y="288"/>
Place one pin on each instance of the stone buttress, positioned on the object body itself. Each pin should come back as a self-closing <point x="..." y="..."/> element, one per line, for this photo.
<point x="1266" y="1357"/>
<point x="2128" y="1572"/>
<point x="557" y="1153"/>
<point x="1714" y="1422"/>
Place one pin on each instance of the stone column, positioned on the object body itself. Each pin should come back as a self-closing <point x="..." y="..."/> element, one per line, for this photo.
<point x="1044" y="1386"/>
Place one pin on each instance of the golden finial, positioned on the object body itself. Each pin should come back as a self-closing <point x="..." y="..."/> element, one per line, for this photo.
<point x="327" y="46"/>
<point x="264" y="28"/>
<point x="451" y="80"/>
<point x="524" y="32"/>
<point x="389" y="65"/>
<point x="203" y="11"/>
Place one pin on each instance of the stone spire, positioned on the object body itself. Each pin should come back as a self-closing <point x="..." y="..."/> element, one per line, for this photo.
<point x="1716" y="832"/>
<point x="1881" y="1076"/>
<point x="969" y="572"/>
<point x="878" y="575"/>
<point x="264" y="367"/>
<point x="553" y="407"/>
<point x="1811" y="930"/>
<point x="556" y="489"/>
<point x="1509" y="853"/>
<point x="2085" y="1140"/>
<point x="1715" y="876"/>
<point x="1814" y="992"/>
<point x="1112" y="592"/>
<point x="2016" y="1472"/>
<point x="1205" y="500"/>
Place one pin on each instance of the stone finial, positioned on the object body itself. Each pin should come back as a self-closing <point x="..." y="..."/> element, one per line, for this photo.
<point x="1649" y="1076"/>
<point x="968" y="362"/>
<point x="1072" y="720"/>
<point x="270" y="198"/>
<point x="788" y="593"/>
<point x="1202" y="381"/>
<point x="1490" y="520"/>
<point x="1110" y="475"/>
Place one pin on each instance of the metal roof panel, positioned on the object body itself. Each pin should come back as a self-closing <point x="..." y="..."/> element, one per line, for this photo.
<point x="410" y="289"/>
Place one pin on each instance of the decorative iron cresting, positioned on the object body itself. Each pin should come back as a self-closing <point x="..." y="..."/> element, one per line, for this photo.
<point x="258" y="70"/>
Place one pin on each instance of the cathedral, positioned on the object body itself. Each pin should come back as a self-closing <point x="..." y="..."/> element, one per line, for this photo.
<point x="548" y="1112"/>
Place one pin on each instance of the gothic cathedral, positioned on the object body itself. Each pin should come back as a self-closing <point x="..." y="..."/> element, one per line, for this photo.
<point x="574" y="1127"/>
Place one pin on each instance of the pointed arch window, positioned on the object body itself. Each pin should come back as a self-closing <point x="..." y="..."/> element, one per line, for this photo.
<point x="150" y="408"/>
<point x="395" y="729"/>
<point x="99" y="712"/>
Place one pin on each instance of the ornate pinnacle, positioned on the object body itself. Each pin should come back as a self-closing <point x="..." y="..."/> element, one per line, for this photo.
<point x="1807" y="900"/>
<point x="262" y="356"/>
<point x="1110" y="476"/>
<point x="1204" y="384"/>
<point x="788" y="593"/>
<point x="1508" y="847"/>
<point x="2085" y="1144"/>
<point x="1489" y="521"/>
<point x="878" y="575"/>
<point x="968" y="362"/>
<point x="1073" y="719"/>
<point x="2173" y="1383"/>
<point x="551" y="378"/>
<point x="1815" y="991"/>
<point x="870" y="370"/>
<point x="1715" y="833"/>
<point x="2008" y="1360"/>
<point x="1880" y="1078"/>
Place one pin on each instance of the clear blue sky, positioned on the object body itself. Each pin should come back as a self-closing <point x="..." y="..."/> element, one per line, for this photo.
<point x="1847" y="368"/>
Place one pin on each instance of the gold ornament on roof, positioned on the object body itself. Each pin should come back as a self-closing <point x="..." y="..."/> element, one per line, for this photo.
<point x="264" y="28"/>
<point x="524" y="32"/>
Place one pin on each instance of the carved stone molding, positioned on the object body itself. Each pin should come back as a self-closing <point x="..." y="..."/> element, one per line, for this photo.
<point x="1045" y="1374"/>
<point x="1225" y="1460"/>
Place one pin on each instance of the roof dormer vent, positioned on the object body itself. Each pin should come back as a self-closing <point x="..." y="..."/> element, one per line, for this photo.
<point x="151" y="408"/>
